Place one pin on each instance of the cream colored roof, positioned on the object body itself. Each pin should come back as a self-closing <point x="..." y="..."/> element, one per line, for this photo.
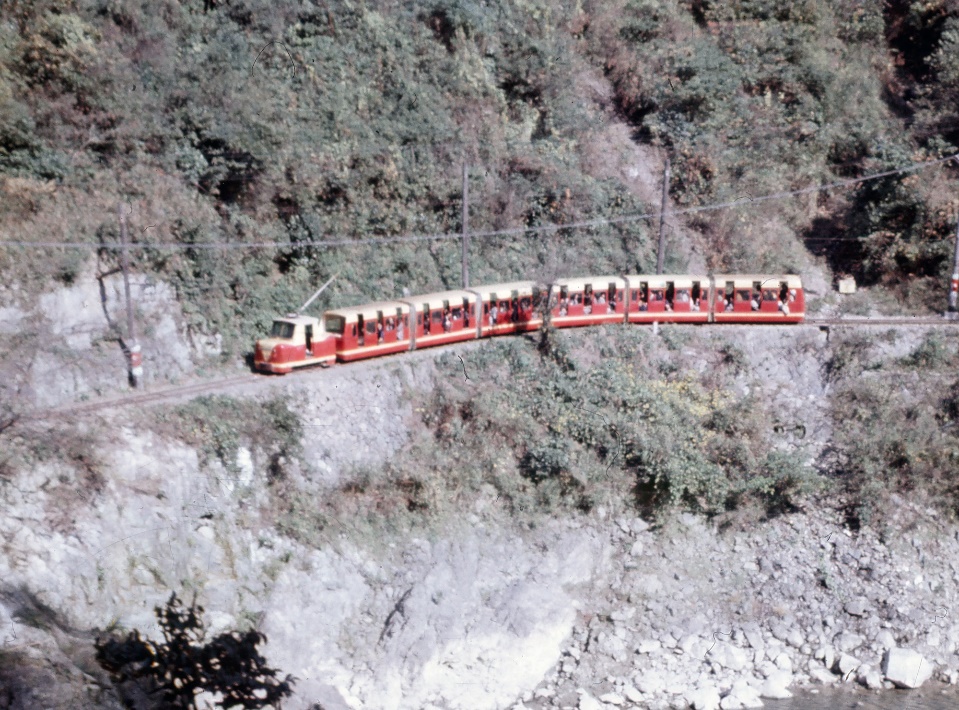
<point x="368" y="310"/>
<point x="660" y="280"/>
<point x="454" y="297"/>
<point x="768" y="280"/>
<point x="599" y="283"/>
<point x="525" y="288"/>
<point x="297" y="320"/>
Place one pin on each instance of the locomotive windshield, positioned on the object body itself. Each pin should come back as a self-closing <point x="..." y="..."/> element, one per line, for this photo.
<point x="334" y="324"/>
<point x="282" y="329"/>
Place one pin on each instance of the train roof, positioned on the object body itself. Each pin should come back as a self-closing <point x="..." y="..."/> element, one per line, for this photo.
<point x="369" y="310"/>
<point x="454" y="297"/>
<point x="296" y="319"/>
<point x="601" y="281"/>
<point x="525" y="288"/>
<point x="747" y="280"/>
<point x="660" y="280"/>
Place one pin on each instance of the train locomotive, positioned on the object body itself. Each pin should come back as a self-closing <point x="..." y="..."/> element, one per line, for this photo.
<point x="411" y="323"/>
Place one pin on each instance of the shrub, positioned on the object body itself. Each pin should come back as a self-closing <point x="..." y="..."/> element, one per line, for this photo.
<point x="181" y="667"/>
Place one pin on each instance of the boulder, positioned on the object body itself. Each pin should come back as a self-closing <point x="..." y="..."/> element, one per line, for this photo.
<point x="857" y="607"/>
<point x="821" y="675"/>
<point x="906" y="668"/>
<point x="776" y="685"/>
<point x="703" y="698"/>
<point x="650" y="681"/>
<point x="742" y="695"/>
<point x="847" y="664"/>
<point x="588" y="702"/>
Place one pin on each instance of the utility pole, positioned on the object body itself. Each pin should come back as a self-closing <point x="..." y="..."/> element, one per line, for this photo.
<point x="662" y="219"/>
<point x="134" y="356"/>
<point x="954" y="284"/>
<point x="466" y="236"/>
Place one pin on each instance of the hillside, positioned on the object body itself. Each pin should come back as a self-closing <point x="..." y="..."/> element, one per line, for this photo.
<point x="564" y="521"/>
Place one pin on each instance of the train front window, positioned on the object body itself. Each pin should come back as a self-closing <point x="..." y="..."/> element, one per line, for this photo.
<point x="282" y="329"/>
<point x="335" y="324"/>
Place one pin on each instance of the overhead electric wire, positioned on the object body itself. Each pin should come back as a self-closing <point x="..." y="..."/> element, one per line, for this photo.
<point x="344" y="241"/>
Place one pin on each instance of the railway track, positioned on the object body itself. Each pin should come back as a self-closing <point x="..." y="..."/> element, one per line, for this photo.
<point x="898" y="320"/>
<point x="173" y="394"/>
<point x="146" y="398"/>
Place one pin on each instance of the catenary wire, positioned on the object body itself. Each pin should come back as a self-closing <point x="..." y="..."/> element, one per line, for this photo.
<point x="585" y="224"/>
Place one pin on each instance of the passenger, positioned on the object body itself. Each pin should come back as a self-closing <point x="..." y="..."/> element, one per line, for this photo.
<point x="390" y="325"/>
<point x="784" y="307"/>
<point x="492" y="314"/>
<point x="601" y="298"/>
<point x="728" y="304"/>
<point x="426" y="322"/>
<point x="683" y="296"/>
<point x="379" y="331"/>
<point x="563" y="306"/>
<point x="447" y="323"/>
<point x="643" y="305"/>
<point x="588" y="303"/>
<point x="754" y="303"/>
<point x="514" y="313"/>
<point x="399" y="329"/>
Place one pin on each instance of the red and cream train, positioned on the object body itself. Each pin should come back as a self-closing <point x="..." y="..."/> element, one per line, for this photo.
<point x="415" y="322"/>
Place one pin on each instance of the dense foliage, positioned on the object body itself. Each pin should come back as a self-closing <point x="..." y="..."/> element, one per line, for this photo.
<point x="177" y="670"/>
<point x="241" y="121"/>
<point x="633" y="426"/>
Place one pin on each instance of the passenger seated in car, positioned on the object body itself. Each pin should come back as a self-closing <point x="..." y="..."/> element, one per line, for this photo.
<point x="754" y="303"/>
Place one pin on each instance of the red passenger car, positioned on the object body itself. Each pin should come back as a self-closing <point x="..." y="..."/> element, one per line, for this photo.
<point x="445" y="317"/>
<point x="509" y="307"/>
<point x="369" y="330"/>
<point x="591" y="300"/>
<point x="758" y="298"/>
<point x="668" y="299"/>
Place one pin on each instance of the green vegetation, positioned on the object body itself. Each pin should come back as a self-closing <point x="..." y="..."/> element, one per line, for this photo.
<point x="219" y="425"/>
<point x="181" y="667"/>
<point x="253" y="121"/>
<point x="543" y="434"/>
<point x="895" y="430"/>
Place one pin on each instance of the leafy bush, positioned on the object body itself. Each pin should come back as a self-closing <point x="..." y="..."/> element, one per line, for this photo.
<point x="177" y="670"/>
<point x="220" y="425"/>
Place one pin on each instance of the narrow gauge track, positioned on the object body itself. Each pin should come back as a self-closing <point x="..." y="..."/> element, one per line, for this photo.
<point x="171" y="394"/>
<point x="896" y="320"/>
<point x="141" y="398"/>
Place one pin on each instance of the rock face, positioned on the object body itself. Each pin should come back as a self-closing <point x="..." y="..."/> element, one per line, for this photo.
<point x="83" y="320"/>
<point x="906" y="668"/>
<point x="586" y="609"/>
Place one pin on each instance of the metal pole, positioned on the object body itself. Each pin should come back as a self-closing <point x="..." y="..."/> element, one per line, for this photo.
<point x="133" y="348"/>
<point x="662" y="220"/>
<point x="466" y="236"/>
<point x="954" y="284"/>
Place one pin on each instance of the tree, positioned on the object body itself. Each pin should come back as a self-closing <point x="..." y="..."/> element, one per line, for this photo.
<point x="181" y="667"/>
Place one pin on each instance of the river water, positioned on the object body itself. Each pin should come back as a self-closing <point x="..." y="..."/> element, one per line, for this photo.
<point x="932" y="697"/>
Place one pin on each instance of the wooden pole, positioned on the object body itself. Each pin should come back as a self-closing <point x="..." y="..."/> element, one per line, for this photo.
<point x="954" y="283"/>
<point x="662" y="220"/>
<point x="133" y="348"/>
<point x="466" y="236"/>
